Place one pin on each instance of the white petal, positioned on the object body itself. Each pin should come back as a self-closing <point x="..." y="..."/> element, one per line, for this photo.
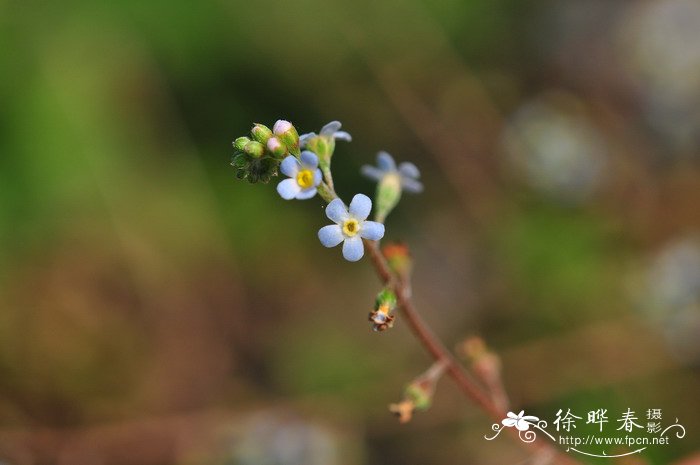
<point x="409" y="170"/>
<point x="372" y="230"/>
<point x="353" y="249"/>
<point x="372" y="172"/>
<point x="330" y="128"/>
<point x="306" y="193"/>
<point x="288" y="189"/>
<point x="513" y="415"/>
<point x="509" y="422"/>
<point x="385" y="162"/>
<point x="309" y="159"/>
<point x="411" y="185"/>
<point x="342" y="135"/>
<point x="317" y="177"/>
<point x="330" y="235"/>
<point x="336" y="211"/>
<point x="303" y="139"/>
<point x="360" y="207"/>
<point x="290" y="166"/>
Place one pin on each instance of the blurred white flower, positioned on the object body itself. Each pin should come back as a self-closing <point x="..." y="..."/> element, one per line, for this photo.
<point x="555" y="146"/>
<point x="669" y="295"/>
<point x="660" y="46"/>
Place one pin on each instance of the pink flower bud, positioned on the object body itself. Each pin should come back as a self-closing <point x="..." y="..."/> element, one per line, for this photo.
<point x="281" y="126"/>
<point x="276" y="146"/>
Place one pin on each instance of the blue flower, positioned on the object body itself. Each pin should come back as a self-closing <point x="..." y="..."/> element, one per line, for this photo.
<point x="407" y="173"/>
<point x="330" y="130"/>
<point x="304" y="176"/>
<point x="351" y="227"/>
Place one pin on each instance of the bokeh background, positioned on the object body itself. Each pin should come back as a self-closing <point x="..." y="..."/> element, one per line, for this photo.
<point x="157" y="311"/>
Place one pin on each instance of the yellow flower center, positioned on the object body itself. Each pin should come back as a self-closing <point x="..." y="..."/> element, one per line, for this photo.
<point x="351" y="227"/>
<point x="305" y="178"/>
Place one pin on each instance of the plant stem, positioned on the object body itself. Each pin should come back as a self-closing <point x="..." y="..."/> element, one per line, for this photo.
<point x="439" y="352"/>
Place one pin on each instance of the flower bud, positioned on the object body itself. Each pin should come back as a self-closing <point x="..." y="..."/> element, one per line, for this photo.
<point x="418" y="394"/>
<point x="387" y="196"/>
<point x="381" y="317"/>
<point x="486" y="365"/>
<point x="287" y="133"/>
<point x="399" y="259"/>
<point x="276" y="146"/>
<point x="254" y="148"/>
<point x="323" y="147"/>
<point x="240" y="143"/>
<point x="261" y="133"/>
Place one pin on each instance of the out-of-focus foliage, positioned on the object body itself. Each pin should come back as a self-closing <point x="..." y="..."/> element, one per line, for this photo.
<point x="156" y="310"/>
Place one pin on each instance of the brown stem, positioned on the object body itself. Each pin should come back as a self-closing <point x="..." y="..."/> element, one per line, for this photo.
<point x="439" y="352"/>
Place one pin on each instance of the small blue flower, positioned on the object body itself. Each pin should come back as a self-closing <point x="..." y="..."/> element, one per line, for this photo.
<point x="351" y="227"/>
<point x="407" y="172"/>
<point x="304" y="176"/>
<point x="331" y="130"/>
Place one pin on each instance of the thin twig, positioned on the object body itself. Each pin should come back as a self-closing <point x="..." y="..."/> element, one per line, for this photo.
<point x="439" y="352"/>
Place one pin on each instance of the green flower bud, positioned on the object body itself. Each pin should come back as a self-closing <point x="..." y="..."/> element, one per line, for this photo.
<point x="323" y="147"/>
<point x="254" y="148"/>
<point x="381" y="318"/>
<point x="261" y="133"/>
<point x="240" y="143"/>
<point x="386" y="298"/>
<point x="420" y="394"/>
<point x="387" y="196"/>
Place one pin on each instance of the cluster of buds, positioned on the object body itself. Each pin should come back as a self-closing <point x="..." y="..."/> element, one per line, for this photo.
<point x="418" y="394"/>
<point x="257" y="158"/>
<point x="381" y="317"/>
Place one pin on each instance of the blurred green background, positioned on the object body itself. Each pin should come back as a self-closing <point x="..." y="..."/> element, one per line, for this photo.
<point x="157" y="311"/>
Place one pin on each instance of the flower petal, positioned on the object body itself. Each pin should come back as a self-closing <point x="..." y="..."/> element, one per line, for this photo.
<point x="385" y="162"/>
<point x="288" y="189"/>
<point x="304" y="138"/>
<point x="372" y="172"/>
<point x="410" y="170"/>
<point x="353" y="249"/>
<point x="372" y="230"/>
<point x="317" y="177"/>
<point x="309" y="159"/>
<point x="330" y="235"/>
<point x="330" y="128"/>
<point x="290" y="166"/>
<point x="343" y="135"/>
<point x="306" y="193"/>
<point x="513" y="415"/>
<point x="360" y="207"/>
<point x="336" y="211"/>
<point x="411" y="185"/>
